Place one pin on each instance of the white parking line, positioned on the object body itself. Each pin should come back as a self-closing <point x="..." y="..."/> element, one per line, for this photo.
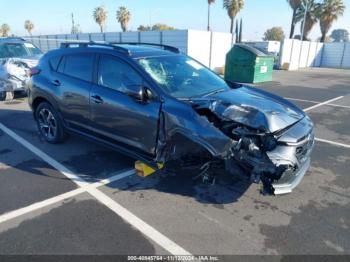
<point x="139" y="224"/>
<point x="129" y="217"/>
<point x="323" y="103"/>
<point x="39" y="205"/>
<point x="332" y="143"/>
<point x="63" y="170"/>
<point x="22" y="211"/>
<point x="316" y="102"/>
<point x="114" y="178"/>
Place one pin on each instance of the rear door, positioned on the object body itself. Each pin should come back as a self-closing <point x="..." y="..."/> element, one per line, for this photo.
<point x="74" y="81"/>
<point x="118" y="116"/>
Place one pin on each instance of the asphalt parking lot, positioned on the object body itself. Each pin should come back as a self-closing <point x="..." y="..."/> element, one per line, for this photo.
<point x="81" y="198"/>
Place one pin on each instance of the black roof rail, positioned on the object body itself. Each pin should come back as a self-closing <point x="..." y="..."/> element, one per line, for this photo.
<point x="13" y="38"/>
<point x="165" y="47"/>
<point x="91" y="43"/>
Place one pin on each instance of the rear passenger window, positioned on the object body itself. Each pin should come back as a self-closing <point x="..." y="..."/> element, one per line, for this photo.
<point x="116" y="74"/>
<point x="54" y="61"/>
<point x="79" y="66"/>
<point x="60" y="68"/>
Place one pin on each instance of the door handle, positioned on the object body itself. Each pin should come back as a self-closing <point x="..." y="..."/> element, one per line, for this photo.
<point x="97" y="99"/>
<point x="56" y="82"/>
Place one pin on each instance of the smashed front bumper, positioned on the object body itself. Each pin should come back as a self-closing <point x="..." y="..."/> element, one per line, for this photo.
<point x="291" y="180"/>
<point x="14" y="74"/>
<point x="298" y="155"/>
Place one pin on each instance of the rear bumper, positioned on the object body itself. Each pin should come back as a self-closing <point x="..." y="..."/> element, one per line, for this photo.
<point x="293" y="181"/>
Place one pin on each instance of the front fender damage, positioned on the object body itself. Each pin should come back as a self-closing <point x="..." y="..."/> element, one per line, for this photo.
<point x="217" y="144"/>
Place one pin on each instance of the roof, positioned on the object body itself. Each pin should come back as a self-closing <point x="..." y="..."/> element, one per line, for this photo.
<point x="133" y="50"/>
<point x="137" y="51"/>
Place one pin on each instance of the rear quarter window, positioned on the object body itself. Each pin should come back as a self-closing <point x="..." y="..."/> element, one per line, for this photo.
<point x="79" y="66"/>
<point x="54" y="62"/>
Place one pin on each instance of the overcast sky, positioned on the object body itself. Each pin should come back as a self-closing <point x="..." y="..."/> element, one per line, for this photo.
<point x="51" y="17"/>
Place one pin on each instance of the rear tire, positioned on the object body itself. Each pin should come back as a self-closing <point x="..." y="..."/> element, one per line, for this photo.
<point x="50" y="124"/>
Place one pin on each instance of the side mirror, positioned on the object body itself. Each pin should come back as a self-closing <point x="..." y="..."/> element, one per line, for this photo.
<point x="136" y="92"/>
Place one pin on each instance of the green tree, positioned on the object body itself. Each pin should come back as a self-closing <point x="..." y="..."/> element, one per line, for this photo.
<point x="5" y="30"/>
<point x="156" y="27"/>
<point x="330" y="11"/>
<point x="210" y="2"/>
<point x="29" y="26"/>
<point x="123" y="17"/>
<point x="144" y="28"/>
<point x="100" y="16"/>
<point x="162" y="27"/>
<point x="294" y="4"/>
<point x="328" y="39"/>
<point x="274" y="34"/>
<point x="313" y="11"/>
<point x="233" y="7"/>
<point x="340" y="35"/>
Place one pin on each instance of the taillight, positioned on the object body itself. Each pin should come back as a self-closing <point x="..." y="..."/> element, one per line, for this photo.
<point x="34" y="71"/>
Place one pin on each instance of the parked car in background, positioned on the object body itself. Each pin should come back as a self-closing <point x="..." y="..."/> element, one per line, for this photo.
<point x="17" y="56"/>
<point x="160" y="106"/>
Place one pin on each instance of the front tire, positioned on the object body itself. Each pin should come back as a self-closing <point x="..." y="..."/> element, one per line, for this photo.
<point x="50" y="124"/>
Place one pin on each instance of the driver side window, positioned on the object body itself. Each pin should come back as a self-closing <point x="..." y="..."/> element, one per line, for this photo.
<point x="116" y="75"/>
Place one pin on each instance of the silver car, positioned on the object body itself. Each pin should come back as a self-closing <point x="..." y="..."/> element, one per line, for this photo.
<point x="17" y="56"/>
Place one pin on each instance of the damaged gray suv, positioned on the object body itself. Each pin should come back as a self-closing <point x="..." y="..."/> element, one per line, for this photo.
<point x="157" y="105"/>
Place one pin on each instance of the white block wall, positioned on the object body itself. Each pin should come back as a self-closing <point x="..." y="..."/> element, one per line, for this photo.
<point x="221" y="45"/>
<point x="314" y="54"/>
<point x="199" y="46"/>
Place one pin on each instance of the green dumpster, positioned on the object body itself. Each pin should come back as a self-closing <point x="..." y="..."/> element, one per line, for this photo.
<point x="247" y="64"/>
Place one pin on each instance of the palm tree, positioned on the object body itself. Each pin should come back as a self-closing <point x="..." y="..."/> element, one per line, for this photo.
<point x="100" y="16"/>
<point x="233" y="7"/>
<point x="331" y="10"/>
<point x="123" y="17"/>
<point x="294" y="4"/>
<point x="5" y="29"/>
<point x="313" y="11"/>
<point x="29" y="26"/>
<point x="210" y="2"/>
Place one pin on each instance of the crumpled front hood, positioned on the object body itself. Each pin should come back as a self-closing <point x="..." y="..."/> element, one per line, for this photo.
<point x="252" y="107"/>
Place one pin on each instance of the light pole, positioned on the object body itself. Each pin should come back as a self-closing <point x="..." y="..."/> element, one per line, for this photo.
<point x="151" y="13"/>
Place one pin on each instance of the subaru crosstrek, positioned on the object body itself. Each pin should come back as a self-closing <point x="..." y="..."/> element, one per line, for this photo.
<point x="160" y="106"/>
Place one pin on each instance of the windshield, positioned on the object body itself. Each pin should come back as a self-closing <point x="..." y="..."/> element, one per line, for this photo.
<point x="182" y="77"/>
<point x="8" y="50"/>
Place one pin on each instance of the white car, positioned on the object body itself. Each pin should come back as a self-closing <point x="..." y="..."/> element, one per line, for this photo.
<point x="17" y="56"/>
